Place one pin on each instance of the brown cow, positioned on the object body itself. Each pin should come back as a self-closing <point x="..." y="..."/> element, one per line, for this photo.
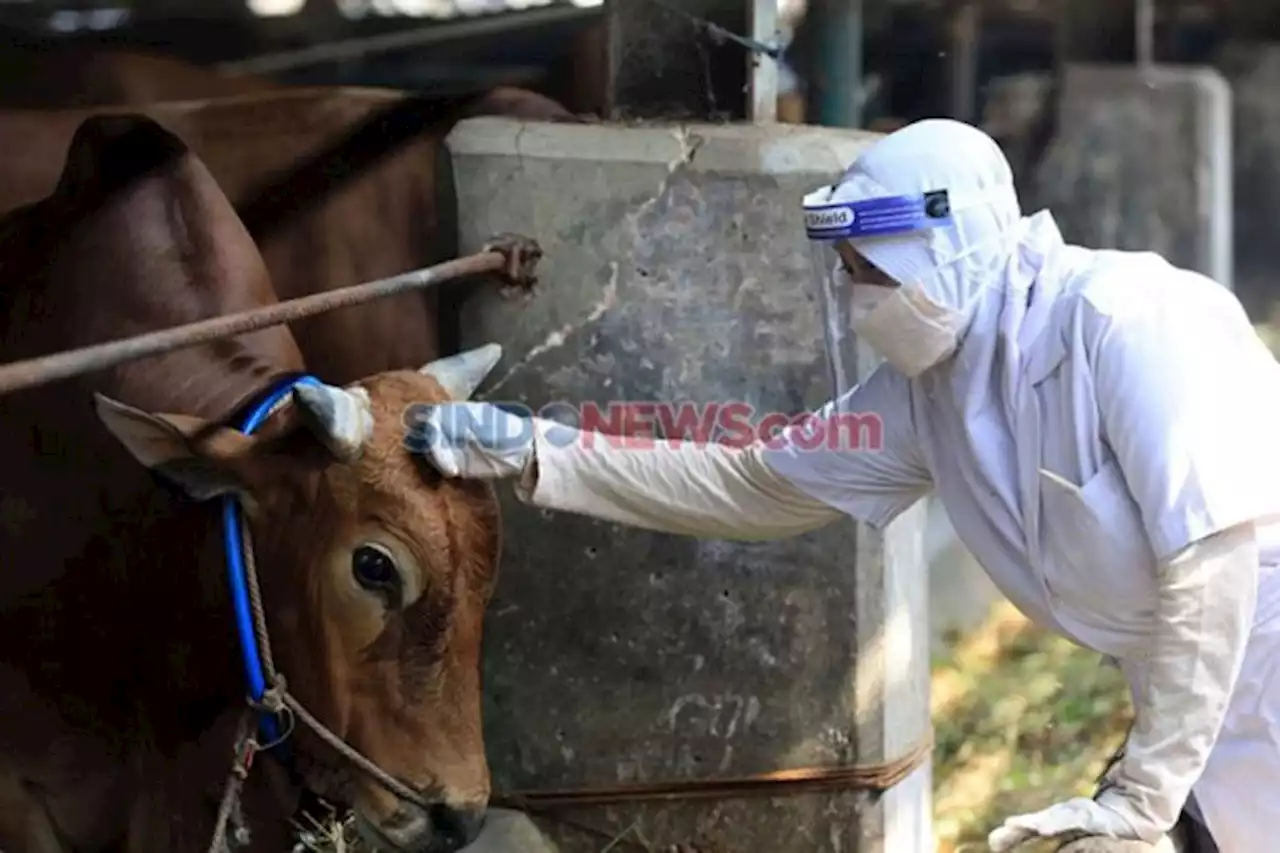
<point x="120" y="677"/>
<point x="337" y="185"/>
<point x="62" y="76"/>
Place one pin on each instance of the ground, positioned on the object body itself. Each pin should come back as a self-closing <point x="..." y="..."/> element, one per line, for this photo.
<point x="1023" y="720"/>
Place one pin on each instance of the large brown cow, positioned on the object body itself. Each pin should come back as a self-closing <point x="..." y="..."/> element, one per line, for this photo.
<point x="120" y="676"/>
<point x="62" y="76"/>
<point x="337" y="185"/>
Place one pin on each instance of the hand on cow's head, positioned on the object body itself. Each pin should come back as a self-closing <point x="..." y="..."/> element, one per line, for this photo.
<point x="376" y="572"/>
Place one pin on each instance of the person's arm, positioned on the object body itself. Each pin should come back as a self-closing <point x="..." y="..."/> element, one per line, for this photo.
<point x="1186" y="394"/>
<point x="707" y="490"/>
<point x="1205" y="612"/>
<point x="782" y="487"/>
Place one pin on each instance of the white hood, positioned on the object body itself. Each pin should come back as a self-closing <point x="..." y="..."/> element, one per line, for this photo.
<point x="1001" y="270"/>
<point x="956" y="266"/>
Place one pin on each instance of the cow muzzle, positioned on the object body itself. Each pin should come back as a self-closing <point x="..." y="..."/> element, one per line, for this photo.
<point x="439" y="828"/>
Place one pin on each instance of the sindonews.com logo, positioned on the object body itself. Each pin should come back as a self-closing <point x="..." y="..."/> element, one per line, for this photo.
<point x="638" y="425"/>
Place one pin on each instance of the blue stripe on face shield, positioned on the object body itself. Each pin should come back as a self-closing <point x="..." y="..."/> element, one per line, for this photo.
<point x="878" y="217"/>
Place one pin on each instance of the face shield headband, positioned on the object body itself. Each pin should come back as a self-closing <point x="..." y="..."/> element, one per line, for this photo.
<point x="899" y="322"/>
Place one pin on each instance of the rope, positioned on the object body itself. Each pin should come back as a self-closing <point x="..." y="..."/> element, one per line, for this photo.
<point x="229" y="807"/>
<point x="513" y="256"/>
<point x="877" y="777"/>
<point x="255" y="606"/>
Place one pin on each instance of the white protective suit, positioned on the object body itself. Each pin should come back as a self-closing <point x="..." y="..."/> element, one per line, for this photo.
<point x="1106" y="441"/>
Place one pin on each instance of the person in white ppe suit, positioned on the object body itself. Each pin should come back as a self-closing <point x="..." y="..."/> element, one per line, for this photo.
<point x="1102" y="428"/>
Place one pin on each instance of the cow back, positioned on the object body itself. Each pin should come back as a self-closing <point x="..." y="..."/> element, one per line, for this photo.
<point x="64" y="76"/>
<point x="137" y="237"/>
<point x="337" y="187"/>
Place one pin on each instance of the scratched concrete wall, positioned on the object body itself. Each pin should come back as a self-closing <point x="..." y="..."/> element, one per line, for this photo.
<point x="1141" y="160"/>
<point x="677" y="269"/>
<point x="1254" y="73"/>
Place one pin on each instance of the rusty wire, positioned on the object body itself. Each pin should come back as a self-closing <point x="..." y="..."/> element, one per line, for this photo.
<point x="719" y="34"/>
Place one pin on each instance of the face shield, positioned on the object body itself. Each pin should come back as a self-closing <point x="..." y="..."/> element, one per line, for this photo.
<point x="857" y="299"/>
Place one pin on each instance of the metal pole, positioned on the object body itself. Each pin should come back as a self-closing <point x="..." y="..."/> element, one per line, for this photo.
<point x="840" y="62"/>
<point x="762" y="71"/>
<point x="285" y="60"/>
<point x="514" y="258"/>
<point x="1144" y="24"/>
<point x="964" y="60"/>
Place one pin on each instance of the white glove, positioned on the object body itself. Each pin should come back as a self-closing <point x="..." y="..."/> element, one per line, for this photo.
<point x="1078" y="816"/>
<point x="476" y="440"/>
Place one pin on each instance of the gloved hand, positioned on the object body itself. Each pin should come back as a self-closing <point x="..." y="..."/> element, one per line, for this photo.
<point x="1079" y="816"/>
<point x="473" y="440"/>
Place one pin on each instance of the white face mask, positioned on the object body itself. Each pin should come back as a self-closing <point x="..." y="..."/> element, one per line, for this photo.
<point x="904" y="326"/>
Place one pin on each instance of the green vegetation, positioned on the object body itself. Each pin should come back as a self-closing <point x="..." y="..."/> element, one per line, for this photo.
<point x="1023" y="719"/>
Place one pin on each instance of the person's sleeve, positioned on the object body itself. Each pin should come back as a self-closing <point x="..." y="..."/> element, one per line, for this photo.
<point x="771" y="489"/>
<point x="861" y="453"/>
<point x="1186" y="396"/>
<point x="691" y="488"/>
<point x="1208" y="593"/>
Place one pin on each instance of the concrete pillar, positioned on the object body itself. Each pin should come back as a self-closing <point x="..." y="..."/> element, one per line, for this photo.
<point x="892" y="680"/>
<point x="1142" y="161"/>
<point x="677" y="269"/>
<point x="1254" y="72"/>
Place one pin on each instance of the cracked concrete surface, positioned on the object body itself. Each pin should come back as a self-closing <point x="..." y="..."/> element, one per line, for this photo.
<point x="558" y="337"/>
<point x="675" y="269"/>
<point x="689" y="143"/>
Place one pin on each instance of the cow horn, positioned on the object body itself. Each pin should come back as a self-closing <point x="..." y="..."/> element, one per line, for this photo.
<point x="341" y="418"/>
<point x="460" y="375"/>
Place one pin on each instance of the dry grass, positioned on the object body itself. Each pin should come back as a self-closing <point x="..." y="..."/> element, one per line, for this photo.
<point x="329" y="835"/>
<point x="1024" y="719"/>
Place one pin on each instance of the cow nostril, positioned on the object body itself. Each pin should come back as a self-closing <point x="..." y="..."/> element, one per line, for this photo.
<point x="456" y="827"/>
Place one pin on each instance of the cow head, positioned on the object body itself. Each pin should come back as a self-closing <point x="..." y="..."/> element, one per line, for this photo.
<point x="375" y="574"/>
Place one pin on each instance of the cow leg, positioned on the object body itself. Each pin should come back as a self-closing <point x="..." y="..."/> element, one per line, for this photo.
<point x="25" y="826"/>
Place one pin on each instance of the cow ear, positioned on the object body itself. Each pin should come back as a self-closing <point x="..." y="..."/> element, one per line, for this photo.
<point x="199" y="458"/>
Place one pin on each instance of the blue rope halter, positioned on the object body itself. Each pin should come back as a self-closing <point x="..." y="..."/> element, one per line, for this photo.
<point x="236" y="573"/>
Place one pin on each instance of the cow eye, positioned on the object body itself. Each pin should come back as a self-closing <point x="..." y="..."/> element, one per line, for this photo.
<point x="374" y="569"/>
